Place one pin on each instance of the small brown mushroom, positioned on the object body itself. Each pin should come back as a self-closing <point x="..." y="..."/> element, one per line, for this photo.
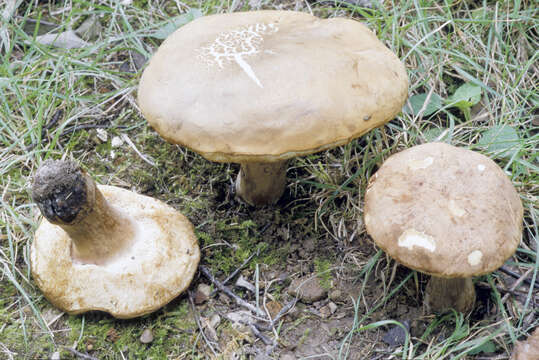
<point x="258" y="88"/>
<point x="444" y="211"/>
<point x="105" y="248"/>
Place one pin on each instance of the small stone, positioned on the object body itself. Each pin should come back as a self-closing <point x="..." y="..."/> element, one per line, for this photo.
<point x="332" y="307"/>
<point x="397" y="335"/>
<point x="102" y="134"/>
<point x="262" y="357"/>
<point x="55" y="355"/>
<point x="210" y="329"/>
<point x="308" y="289"/>
<point x="116" y="142"/>
<point x="336" y="295"/>
<point x="89" y="347"/>
<point x="215" y="320"/>
<point x="202" y="294"/>
<point x="147" y="336"/>
<point x="288" y="357"/>
<point x="309" y="245"/>
<point x="325" y="312"/>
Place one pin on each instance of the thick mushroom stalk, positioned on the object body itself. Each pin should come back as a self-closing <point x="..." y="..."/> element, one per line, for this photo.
<point x="261" y="183"/>
<point x="69" y="198"/>
<point x="442" y="294"/>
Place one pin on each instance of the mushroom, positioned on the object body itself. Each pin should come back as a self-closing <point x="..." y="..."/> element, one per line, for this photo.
<point x="105" y="248"/>
<point x="444" y="211"/>
<point x="258" y="88"/>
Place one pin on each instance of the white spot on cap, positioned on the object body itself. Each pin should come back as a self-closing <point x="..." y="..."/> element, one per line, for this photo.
<point x="474" y="258"/>
<point x="421" y="164"/>
<point x="411" y="238"/>
<point x="481" y="167"/>
<point x="455" y="209"/>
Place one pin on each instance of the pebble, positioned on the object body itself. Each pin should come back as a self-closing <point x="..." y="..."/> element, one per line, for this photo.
<point x="147" y="336"/>
<point x="308" y="289"/>
<point x="336" y="295"/>
<point x="202" y="294"/>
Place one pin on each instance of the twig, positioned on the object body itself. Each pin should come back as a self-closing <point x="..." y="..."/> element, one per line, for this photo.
<point x="197" y="320"/>
<point x="90" y="126"/>
<point x="79" y="354"/>
<point x="229" y="292"/>
<point x="261" y="336"/>
<point x="130" y="143"/>
<point x="54" y="119"/>
<point x="235" y="272"/>
<point x="518" y="276"/>
<point x="279" y="315"/>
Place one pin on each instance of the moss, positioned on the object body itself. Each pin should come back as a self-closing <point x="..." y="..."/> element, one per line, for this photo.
<point x="323" y="272"/>
<point x="172" y="332"/>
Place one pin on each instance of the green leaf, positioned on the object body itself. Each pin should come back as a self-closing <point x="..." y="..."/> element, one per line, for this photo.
<point x="500" y="139"/>
<point x="164" y="31"/>
<point x="486" y="347"/>
<point x="416" y="102"/>
<point x="466" y="96"/>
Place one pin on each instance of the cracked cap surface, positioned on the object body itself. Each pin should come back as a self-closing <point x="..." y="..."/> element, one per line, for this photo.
<point x="270" y="85"/>
<point x="444" y="211"/>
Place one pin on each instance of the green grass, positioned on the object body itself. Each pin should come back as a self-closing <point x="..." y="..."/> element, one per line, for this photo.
<point x="475" y="60"/>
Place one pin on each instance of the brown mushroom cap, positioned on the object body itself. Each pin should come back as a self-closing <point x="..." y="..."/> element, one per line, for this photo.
<point x="444" y="211"/>
<point x="270" y="85"/>
<point x="154" y="270"/>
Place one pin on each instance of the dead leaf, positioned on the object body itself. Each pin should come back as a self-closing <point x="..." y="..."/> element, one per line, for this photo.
<point x="273" y="308"/>
<point x="66" y="40"/>
<point x="112" y="335"/>
<point x="90" y="29"/>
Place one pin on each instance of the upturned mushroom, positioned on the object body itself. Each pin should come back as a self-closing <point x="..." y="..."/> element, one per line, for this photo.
<point x="105" y="248"/>
<point x="258" y="88"/>
<point x="444" y="211"/>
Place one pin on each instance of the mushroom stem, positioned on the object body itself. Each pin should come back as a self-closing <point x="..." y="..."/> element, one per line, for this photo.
<point x="69" y="198"/>
<point x="260" y="183"/>
<point x="443" y="294"/>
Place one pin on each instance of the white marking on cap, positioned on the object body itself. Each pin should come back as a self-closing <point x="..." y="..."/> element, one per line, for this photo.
<point x="412" y="237"/>
<point x="236" y="45"/>
<point x="481" y="167"/>
<point x="474" y="258"/>
<point x="455" y="209"/>
<point x="421" y="164"/>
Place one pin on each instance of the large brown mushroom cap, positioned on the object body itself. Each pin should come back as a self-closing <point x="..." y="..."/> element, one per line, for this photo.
<point x="157" y="267"/>
<point x="444" y="211"/>
<point x="270" y="85"/>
